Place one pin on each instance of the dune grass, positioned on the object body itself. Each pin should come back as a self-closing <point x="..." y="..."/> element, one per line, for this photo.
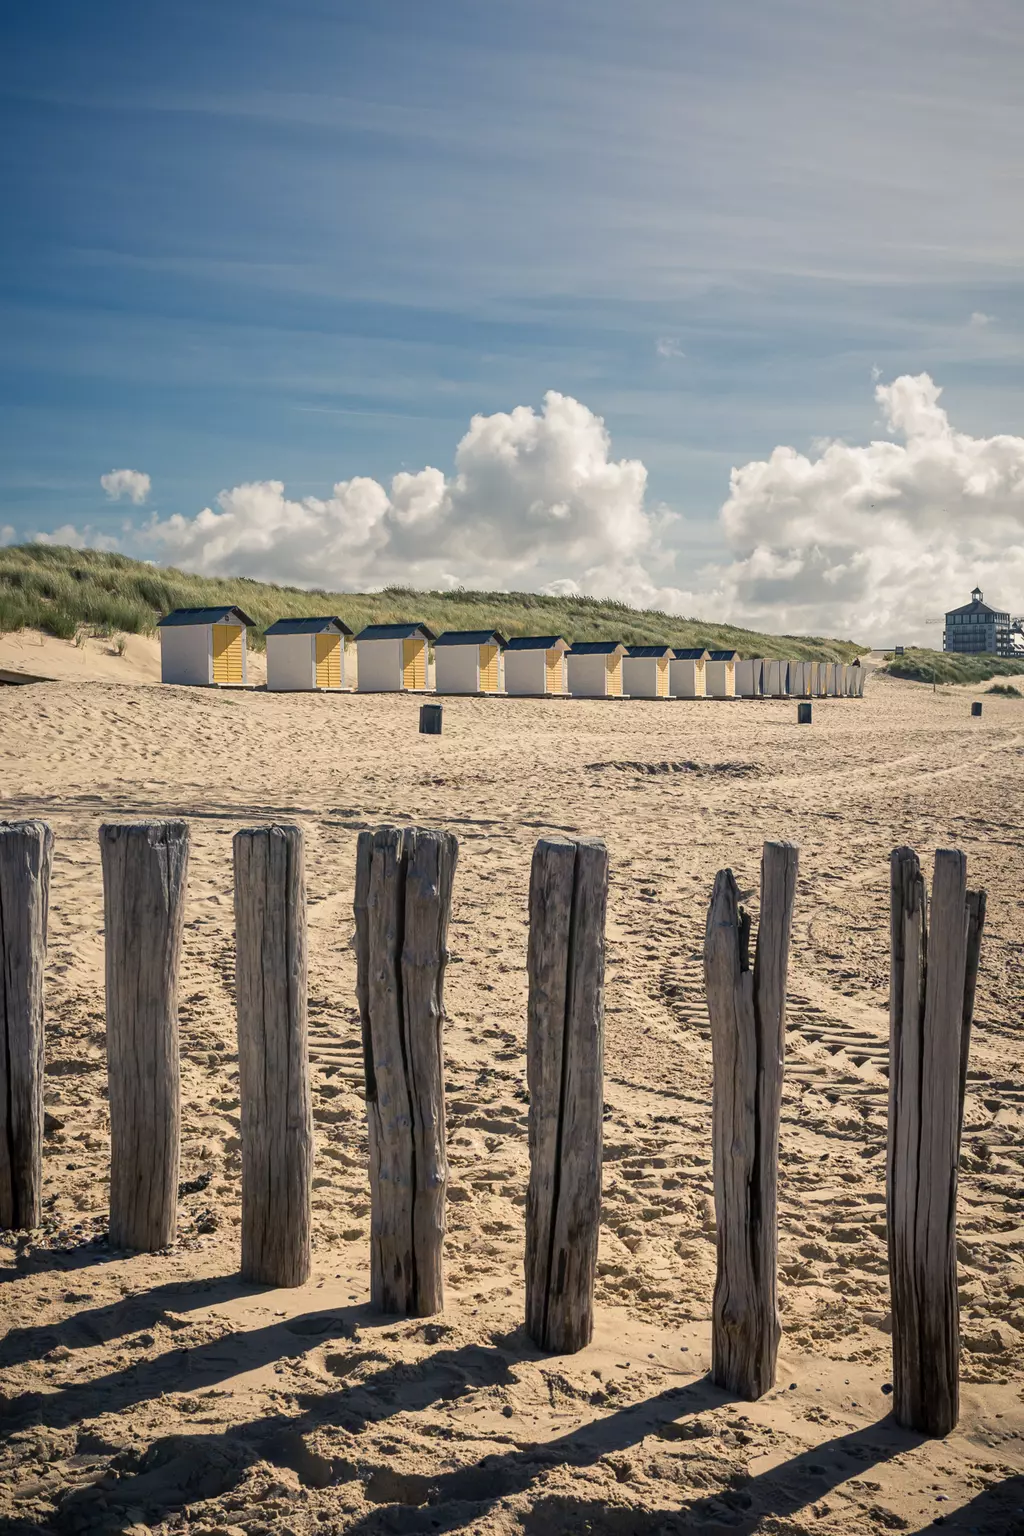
<point x="61" y="591"/>
<point x="1005" y="690"/>
<point x="922" y="666"/>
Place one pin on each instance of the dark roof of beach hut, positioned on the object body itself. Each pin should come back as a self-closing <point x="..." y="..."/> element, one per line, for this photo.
<point x="472" y="637"/>
<point x="648" y="650"/>
<point x="597" y="648"/>
<point x="536" y="642"/>
<point x="691" y="653"/>
<point x="312" y="626"/>
<point x="204" y="616"/>
<point x="396" y="632"/>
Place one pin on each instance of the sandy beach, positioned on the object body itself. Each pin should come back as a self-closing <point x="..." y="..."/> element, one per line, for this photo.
<point x="156" y="1392"/>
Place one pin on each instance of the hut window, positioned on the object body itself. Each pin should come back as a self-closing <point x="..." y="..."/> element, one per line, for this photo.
<point x="414" y="663"/>
<point x="614" y="674"/>
<point x="227" y="653"/>
<point x="328" y="661"/>
<point x="553" y="671"/>
<point x="488" y="669"/>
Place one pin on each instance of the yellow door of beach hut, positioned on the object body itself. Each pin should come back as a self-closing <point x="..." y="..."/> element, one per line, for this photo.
<point x="227" y="653"/>
<point x="414" y="663"/>
<point x="328" y="661"/>
<point x="662" y="677"/>
<point x="614" y="688"/>
<point x="488" y="669"/>
<point x="554" y="671"/>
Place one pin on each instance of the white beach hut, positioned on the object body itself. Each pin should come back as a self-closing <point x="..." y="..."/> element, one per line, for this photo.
<point x="859" y="673"/>
<point x="750" y="679"/>
<point x="204" y="647"/>
<point x="833" y="679"/>
<point x="392" y="658"/>
<point x="645" y="671"/>
<point x="819" y="679"/>
<point x="721" y="674"/>
<point x="469" y="661"/>
<point x="595" y="669"/>
<point x="687" y="673"/>
<point x="307" y="655"/>
<point x="776" y="678"/>
<point x="535" y="664"/>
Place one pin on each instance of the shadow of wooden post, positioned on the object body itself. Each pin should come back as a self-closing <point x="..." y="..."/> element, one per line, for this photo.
<point x="273" y="1055"/>
<point x="145" y="868"/>
<point x="565" y="1071"/>
<point x="934" y="973"/>
<point x="403" y="894"/>
<point x="747" y="1010"/>
<point x="26" y="855"/>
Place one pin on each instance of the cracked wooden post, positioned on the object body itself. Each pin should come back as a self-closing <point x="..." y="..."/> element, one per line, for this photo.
<point x="565" y="1072"/>
<point x="273" y="1055"/>
<point x="26" y="854"/>
<point x="402" y="906"/>
<point x="931" y="1003"/>
<point x="145" y="870"/>
<point x="747" y="1010"/>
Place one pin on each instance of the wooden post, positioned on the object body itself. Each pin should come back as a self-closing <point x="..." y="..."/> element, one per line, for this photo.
<point x="748" y="1020"/>
<point x="931" y="1002"/>
<point x="145" y="870"/>
<point x="402" y="906"/>
<point x="26" y="854"/>
<point x="565" y="1073"/>
<point x="273" y="1056"/>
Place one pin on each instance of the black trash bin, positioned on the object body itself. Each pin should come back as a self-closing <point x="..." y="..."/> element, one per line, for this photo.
<point x="803" y="714"/>
<point x="976" y="710"/>
<point x="430" y="719"/>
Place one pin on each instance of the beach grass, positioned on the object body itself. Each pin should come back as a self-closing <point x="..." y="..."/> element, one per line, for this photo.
<point x="62" y="591"/>
<point x="922" y="666"/>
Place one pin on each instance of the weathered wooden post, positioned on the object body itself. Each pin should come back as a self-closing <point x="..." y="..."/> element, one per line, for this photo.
<point x="26" y="854"/>
<point x="565" y="1073"/>
<point x="145" y="870"/>
<point x="273" y="1057"/>
<point x="402" y="905"/>
<point x="931" y="1002"/>
<point x="747" y="1010"/>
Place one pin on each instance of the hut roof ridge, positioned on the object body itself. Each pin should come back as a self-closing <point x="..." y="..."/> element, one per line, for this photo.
<point x="648" y="650"/>
<point x="308" y="626"/>
<point x="471" y="637"/>
<point x="395" y="632"/>
<point x="596" y="648"/>
<point x="535" y="642"/>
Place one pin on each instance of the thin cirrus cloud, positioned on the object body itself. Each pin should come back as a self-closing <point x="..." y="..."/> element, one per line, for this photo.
<point x="862" y="541"/>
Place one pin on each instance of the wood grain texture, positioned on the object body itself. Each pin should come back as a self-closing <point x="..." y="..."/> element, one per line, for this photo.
<point x="26" y="855"/>
<point x="934" y="973"/>
<point x="404" y="880"/>
<point x="273" y="1055"/>
<point x="565" y="1070"/>
<point x="747" y="1010"/>
<point x="145" y="868"/>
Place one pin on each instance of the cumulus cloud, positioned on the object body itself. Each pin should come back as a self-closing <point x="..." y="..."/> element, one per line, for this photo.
<point x="535" y="498"/>
<point x="6" y="535"/>
<point x="84" y="538"/>
<point x="668" y="346"/>
<point x="980" y="320"/>
<point x="131" y="483"/>
<point x="877" y="541"/>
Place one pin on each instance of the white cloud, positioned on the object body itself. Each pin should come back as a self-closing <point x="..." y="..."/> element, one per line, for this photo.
<point x="535" y="498"/>
<point x="668" y="346"/>
<point x="980" y="320"/>
<point x="876" y="541"/>
<point x="86" y="538"/>
<point x="126" y="482"/>
<point x="6" y="535"/>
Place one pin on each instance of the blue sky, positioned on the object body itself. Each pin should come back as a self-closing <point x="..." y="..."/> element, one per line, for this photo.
<point x="305" y="242"/>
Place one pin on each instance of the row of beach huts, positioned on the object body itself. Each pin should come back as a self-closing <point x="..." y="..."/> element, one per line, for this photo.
<point x="207" y="647"/>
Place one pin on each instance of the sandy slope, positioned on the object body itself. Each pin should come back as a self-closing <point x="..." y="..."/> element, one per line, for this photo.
<point x="158" y="1392"/>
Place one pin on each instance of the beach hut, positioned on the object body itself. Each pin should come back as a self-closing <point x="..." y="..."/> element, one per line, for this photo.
<point x="535" y="664"/>
<point x="800" y="679"/>
<point x="307" y="655"/>
<point x="204" y="647"/>
<point x="469" y="661"/>
<point x="858" y="672"/>
<point x="687" y="673"/>
<point x="776" y="678"/>
<point x="819" y="679"/>
<point x="750" y="679"/>
<point x="720" y="674"/>
<point x="645" y="671"/>
<point x="392" y="658"/>
<point x="595" y="669"/>
<point x="833" y="670"/>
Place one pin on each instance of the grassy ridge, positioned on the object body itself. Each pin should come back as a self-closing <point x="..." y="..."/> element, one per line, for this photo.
<point x="60" y="590"/>
<point x="922" y="666"/>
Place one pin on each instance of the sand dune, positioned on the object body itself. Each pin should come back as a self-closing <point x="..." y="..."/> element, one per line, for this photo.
<point x="156" y="1392"/>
